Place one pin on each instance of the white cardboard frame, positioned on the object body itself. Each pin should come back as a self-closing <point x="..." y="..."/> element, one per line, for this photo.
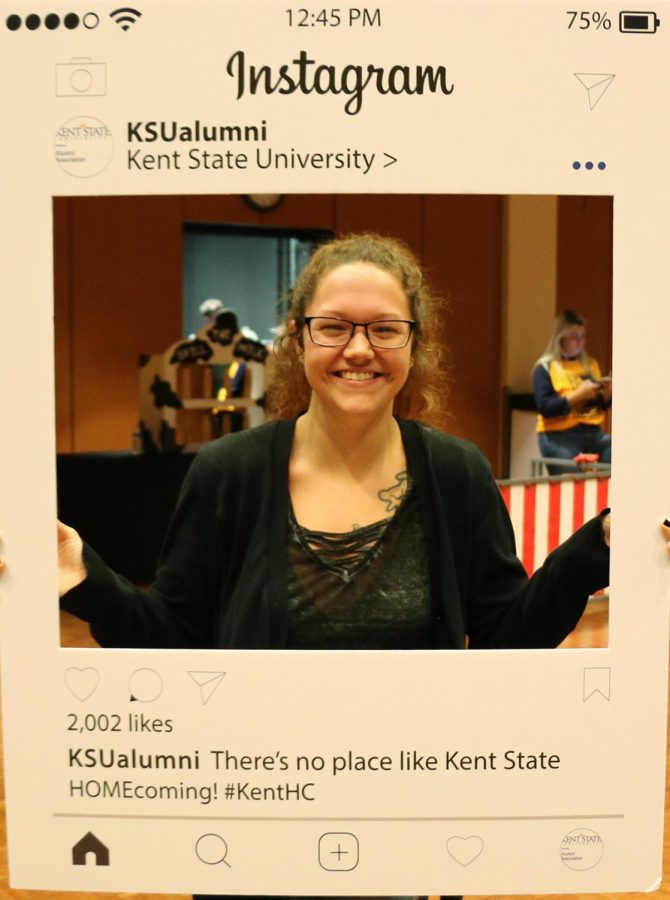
<point x="515" y="122"/>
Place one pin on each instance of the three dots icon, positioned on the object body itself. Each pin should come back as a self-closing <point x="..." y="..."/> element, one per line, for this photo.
<point x="589" y="165"/>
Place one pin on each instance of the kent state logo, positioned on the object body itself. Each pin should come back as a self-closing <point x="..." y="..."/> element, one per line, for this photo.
<point x="83" y="147"/>
<point x="581" y="849"/>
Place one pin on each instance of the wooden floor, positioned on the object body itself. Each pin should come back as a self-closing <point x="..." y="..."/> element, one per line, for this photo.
<point x="592" y="632"/>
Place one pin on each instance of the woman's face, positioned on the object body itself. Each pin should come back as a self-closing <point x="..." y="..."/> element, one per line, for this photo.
<point x="573" y="341"/>
<point x="358" y="378"/>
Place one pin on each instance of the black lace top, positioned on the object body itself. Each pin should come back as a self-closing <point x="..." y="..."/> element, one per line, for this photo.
<point x="365" y="589"/>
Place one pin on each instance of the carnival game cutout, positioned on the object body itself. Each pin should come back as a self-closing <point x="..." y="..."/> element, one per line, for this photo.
<point x="201" y="388"/>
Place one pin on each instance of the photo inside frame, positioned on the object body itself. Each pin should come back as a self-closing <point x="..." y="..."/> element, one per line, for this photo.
<point x="145" y="373"/>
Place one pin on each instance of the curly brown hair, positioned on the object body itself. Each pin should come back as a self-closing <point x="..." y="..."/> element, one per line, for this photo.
<point x="423" y="394"/>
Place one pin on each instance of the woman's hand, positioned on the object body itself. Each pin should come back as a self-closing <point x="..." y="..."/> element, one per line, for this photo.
<point x="71" y="568"/>
<point x="606" y="527"/>
<point x="584" y="396"/>
<point x="606" y="388"/>
<point x="665" y="531"/>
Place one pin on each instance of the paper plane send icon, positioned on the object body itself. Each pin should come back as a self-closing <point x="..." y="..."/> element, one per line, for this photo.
<point x="208" y="682"/>
<point x="595" y="85"/>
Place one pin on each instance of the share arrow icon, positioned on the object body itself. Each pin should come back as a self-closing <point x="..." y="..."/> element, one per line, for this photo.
<point x="595" y="85"/>
<point x="208" y="682"/>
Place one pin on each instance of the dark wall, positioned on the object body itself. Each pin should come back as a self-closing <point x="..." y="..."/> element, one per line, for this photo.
<point x="584" y="270"/>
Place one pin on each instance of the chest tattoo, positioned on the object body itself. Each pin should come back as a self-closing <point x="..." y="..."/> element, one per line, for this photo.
<point x="392" y="496"/>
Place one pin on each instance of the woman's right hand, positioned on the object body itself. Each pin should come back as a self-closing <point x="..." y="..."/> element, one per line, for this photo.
<point x="584" y="396"/>
<point x="71" y="568"/>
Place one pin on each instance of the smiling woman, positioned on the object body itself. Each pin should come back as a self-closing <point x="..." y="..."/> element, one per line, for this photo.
<point x="389" y="267"/>
<point x="345" y="523"/>
<point x="353" y="334"/>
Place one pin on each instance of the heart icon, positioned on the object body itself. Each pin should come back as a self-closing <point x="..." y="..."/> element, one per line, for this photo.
<point x="82" y="682"/>
<point x="464" y="850"/>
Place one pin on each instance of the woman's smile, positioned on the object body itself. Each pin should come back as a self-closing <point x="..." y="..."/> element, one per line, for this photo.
<point x="357" y="376"/>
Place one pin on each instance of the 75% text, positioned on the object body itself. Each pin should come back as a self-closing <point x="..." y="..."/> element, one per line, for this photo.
<point x="584" y="20"/>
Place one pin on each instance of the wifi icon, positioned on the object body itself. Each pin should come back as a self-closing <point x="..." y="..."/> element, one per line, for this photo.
<point x="125" y="16"/>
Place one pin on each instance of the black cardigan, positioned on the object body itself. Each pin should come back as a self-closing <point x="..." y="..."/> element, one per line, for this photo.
<point x="222" y="577"/>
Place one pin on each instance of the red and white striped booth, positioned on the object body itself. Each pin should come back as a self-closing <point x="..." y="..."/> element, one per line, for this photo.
<point x="545" y="511"/>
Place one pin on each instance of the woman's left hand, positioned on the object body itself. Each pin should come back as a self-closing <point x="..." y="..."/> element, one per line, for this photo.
<point x="606" y="388"/>
<point x="665" y="531"/>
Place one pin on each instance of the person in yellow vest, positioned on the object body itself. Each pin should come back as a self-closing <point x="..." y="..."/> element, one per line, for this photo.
<point x="571" y="396"/>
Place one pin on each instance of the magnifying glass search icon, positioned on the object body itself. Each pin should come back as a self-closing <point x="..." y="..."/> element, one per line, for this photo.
<point x="211" y="849"/>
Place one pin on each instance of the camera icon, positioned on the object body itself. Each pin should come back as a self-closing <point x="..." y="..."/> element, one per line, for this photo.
<point x="81" y="77"/>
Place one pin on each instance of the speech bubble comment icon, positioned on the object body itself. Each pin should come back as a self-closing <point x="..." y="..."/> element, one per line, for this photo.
<point x="145" y="685"/>
<point x="464" y="850"/>
<point x="82" y="682"/>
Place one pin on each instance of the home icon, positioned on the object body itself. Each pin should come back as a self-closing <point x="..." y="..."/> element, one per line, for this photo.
<point x="90" y="844"/>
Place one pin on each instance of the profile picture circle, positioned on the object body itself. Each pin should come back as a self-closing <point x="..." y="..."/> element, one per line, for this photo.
<point x="83" y="147"/>
<point x="581" y="849"/>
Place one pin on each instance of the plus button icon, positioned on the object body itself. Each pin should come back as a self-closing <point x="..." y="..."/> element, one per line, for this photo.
<point x="338" y="851"/>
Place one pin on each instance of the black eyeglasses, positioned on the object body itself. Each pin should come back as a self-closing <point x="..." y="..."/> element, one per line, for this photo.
<point x="384" y="334"/>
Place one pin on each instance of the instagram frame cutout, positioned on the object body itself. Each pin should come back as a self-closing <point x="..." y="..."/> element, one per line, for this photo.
<point x="334" y="773"/>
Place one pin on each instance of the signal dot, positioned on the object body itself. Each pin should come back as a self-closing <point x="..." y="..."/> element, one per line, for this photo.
<point x="589" y="165"/>
<point x="91" y="20"/>
<point x="13" y="23"/>
<point x="52" y="21"/>
<point x="71" y="21"/>
<point x="33" y="22"/>
<point x="576" y="165"/>
<point x="602" y="166"/>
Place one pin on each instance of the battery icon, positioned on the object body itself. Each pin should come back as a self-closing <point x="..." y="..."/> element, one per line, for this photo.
<point x="638" y="22"/>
